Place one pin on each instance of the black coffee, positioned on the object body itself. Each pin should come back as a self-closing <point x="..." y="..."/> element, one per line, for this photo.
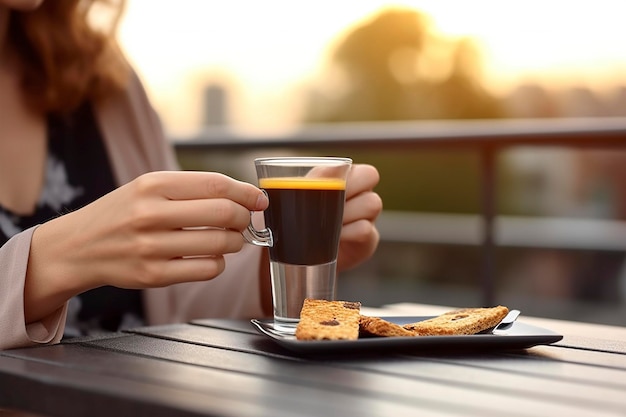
<point x="305" y="216"/>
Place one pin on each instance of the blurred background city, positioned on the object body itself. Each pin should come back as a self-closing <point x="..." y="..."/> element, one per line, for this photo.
<point x="246" y="68"/>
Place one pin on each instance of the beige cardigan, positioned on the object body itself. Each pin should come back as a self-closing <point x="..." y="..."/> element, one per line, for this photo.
<point x="135" y="143"/>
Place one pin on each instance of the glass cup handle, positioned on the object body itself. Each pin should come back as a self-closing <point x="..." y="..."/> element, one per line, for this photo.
<point x="256" y="237"/>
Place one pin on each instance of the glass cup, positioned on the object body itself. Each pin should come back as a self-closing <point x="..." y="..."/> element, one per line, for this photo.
<point x="303" y="224"/>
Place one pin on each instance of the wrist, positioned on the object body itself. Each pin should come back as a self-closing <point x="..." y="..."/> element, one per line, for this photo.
<point x="50" y="278"/>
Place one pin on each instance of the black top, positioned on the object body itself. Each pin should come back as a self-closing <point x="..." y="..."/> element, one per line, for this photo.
<point x="78" y="172"/>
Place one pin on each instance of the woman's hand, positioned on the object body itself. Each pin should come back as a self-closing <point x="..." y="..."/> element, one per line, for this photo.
<point x="359" y="236"/>
<point x="160" y="229"/>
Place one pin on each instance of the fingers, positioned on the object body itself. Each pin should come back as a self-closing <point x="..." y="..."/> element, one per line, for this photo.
<point x="359" y="236"/>
<point x="361" y="178"/>
<point x="361" y="201"/>
<point x="216" y="212"/>
<point x="367" y="205"/>
<point x="358" y="241"/>
<point x="194" y="269"/>
<point x="160" y="274"/>
<point x="361" y="231"/>
<point x="185" y="185"/>
<point x="173" y="200"/>
<point x="185" y="243"/>
<point x="165" y="258"/>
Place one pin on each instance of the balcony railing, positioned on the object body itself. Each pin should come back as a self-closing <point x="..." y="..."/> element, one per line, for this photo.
<point x="486" y="137"/>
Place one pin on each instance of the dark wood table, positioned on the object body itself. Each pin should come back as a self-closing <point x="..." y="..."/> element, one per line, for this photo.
<point x="226" y="368"/>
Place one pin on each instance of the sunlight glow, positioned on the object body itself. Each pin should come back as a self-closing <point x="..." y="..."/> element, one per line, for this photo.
<point x="266" y="51"/>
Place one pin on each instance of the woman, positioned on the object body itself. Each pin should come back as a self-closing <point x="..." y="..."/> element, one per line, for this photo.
<point x="95" y="224"/>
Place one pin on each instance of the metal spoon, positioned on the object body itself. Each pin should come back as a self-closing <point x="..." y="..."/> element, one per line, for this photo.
<point x="506" y="322"/>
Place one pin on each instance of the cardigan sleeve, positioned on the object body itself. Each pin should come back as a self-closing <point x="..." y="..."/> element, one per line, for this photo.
<point x="14" y="332"/>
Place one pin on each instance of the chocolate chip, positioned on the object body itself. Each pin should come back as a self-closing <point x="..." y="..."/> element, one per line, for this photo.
<point x="352" y="305"/>
<point x="329" y="323"/>
<point x="459" y="317"/>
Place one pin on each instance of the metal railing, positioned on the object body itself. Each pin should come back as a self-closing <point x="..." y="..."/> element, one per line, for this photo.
<point x="487" y="137"/>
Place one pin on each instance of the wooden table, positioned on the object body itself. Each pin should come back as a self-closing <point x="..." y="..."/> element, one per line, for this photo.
<point x="226" y="368"/>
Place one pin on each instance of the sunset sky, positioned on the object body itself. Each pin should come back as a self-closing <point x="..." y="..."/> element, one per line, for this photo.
<point x="268" y="49"/>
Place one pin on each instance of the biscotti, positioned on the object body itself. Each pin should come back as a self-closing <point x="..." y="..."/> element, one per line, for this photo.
<point x="459" y="322"/>
<point x="375" y="326"/>
<point x="329" y="320"/>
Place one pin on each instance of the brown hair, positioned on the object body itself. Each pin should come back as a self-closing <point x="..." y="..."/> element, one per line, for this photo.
<point x="64" y="59"/>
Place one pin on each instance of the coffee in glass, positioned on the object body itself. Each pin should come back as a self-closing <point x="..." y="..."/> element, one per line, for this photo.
<point x="303" y="223"/>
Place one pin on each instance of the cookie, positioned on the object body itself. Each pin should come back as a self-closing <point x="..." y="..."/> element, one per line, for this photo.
<point x="459" y="322"/>
<point x="329" y="320"/>
<point x="375" y="326"/>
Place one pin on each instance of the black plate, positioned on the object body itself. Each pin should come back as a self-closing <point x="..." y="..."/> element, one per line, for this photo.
<point x="518" y="336"/>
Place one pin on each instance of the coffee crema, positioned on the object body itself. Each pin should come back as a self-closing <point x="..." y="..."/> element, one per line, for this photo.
<point x="303" y="183"/>
<point x="305" y="216"/>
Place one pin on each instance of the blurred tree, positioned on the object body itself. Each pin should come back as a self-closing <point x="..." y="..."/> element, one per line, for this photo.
<point x="461" y="95"/>
<point x="394" y="66"/>
<point x="366" y="60"/>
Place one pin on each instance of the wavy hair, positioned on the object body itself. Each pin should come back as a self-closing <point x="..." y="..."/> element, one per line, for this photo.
<point x="64" y="57"/>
